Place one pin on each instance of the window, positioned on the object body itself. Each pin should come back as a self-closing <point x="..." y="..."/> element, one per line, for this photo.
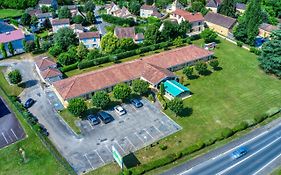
<point x="94" y="39"/>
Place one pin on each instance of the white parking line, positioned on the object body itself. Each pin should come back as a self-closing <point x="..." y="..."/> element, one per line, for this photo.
<point x="267" y="164"/>
<point x="108" y="149"/>
<point x="131" y="142"/>
<point x="148" y="133"/>
<point x="120" y="146"/>
<point x="5" y="137"/>
<point x="14" y="134"/>
<point x="158" y="130"/>
<point x="139" y="137"/>
<point x="99" y="156"/>
<point x="90" y="124"/>
<point x="89" y="161"/>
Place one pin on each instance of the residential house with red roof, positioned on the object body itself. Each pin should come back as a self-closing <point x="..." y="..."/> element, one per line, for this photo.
<point x="148" y="11"/>
<point x="195" y="19"/>
<point x="16" y="37"/>
<point x="128" y="32"/>
<point x="48" y="3"/>
<point x="115" y="10"/>
<point x="59" y="23"/>
<point x="153" y="69"/>
<point x="90" y="39"/>
<point x="265" y="30"/>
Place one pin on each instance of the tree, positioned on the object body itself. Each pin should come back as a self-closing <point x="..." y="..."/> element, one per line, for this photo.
<point x="47" y="24"/>
<point x="169" y="30"/>
<point x="66" y="59"/>
<point x="37" y="42"/>
<point x="201" y="67"/>
<point x="77" y="19"/>
<point x="209" y="35"/>
<point x="34" y="20"/>
<point x="55" y="50"/>
<point x="188" y="71"/>
<point x="176" y="105"/>
<point x="228" y="8"/>
<point x="16" y="4"/>
<point x="89" y="6"/>
<point x="121" y="91"/>
<point x="178" y="41"/>
<point x="162" y="88"/>
<point x="46" y="45"/>
<point x="15" y="77"/>
<point x="134" y="7"/>
<point x="140" y="86"/>
<point x="270" y="59"/>
<point x="65" y="37"/>
<point x="25" y="19"/>
<point x="184" y="28"/>
<point x="29" y="46"/>
<point x="126" y="44"/>
<point x="11" y="48"/>
<point x="77" y="106"/>
<point x="101" y="99"/>
<point x="215" y="64"/>
<point x="152" y="34"/>
<point x="90" y="17"/>
<point x="197" y="6"/>
<point x="64" y="12"/>
<point x="93" y="54"/>
<point x="82" y="51"/>
<point x="3" y="50"/>
<point x="44" y="9"/>
<point x="109" y="43"/>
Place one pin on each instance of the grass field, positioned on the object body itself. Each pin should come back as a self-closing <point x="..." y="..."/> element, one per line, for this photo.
<point x="40" y="160"/>
<point x="240" y="91"/>
<point x="70" y="120"/>
<point x="10" y="13"/>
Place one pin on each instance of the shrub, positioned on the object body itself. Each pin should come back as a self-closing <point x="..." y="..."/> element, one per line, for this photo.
<point x="151" y="98"/>
<point x="240" y="127"/>
<point x="210" y="141"/>
<point x="163" y="147"/>
<point x="255" y="50"/>
<point x="15" y="77"/>
<point x="260" y="118"/>
<point x="77" y="106"/>
<point x="226" y="132"/>
<point x="69" y="67"/>
<point x="239" y="43"/>
<point x="117" y="20"/>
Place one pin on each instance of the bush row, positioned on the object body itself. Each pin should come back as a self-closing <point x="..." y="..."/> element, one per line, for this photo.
<point x="220" y="135"/>
<point x="255" y="50"/>
<point x="118" y="21"/>
<point x="162" y="101"/>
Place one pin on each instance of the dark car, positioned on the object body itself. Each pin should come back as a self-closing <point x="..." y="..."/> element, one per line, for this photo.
<point x="43" y="130"/>
<point x="137" y="103"/>
<point x="93" y="119"/>
<point x="29" y="102"/>
<point x="105" y="117"/>
<point x="239" y="153"/>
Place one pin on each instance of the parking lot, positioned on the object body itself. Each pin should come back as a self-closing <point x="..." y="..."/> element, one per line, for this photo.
<point x="127" y="133"/>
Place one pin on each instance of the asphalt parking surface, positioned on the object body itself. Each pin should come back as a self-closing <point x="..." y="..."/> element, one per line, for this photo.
<point x="10" y="129"/>
<point x="127" y="133"/>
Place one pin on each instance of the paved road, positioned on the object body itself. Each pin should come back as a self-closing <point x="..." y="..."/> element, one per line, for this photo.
<point x="264" y="155"/>
<point x="100" y="23"/>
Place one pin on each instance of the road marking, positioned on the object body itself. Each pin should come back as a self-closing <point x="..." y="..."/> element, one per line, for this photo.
<point x="14" y="134"/>
<point x="89" y="161"/>
<point x="90" y="124"/>
<point x="158" y="130"/>
<point x="267" y="164"/>
<point x="120" y="146"/>
<point x="5" y="137"/>
<point x="99" y="156"/>
<point x="148" y="133"/>
<point x="227" y="169"/>
<point x="227" y="151"/>
<point x="139" y="137"/>
<point x="108" y="149"/>
<point x="130" y="142"/>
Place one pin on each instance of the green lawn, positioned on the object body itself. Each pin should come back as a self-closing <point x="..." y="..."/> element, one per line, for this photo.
<point x="10" y="13"/>
<point x="13" y="90"/>
<point x="240" y="91"/>
<point x="70" y="120"/>
<point x="40" y="160"/>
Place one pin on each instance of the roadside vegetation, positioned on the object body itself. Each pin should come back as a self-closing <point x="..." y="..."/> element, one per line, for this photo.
<point x="10" y="13"/>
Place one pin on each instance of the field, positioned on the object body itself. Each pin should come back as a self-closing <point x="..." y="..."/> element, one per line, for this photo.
<point x="39" y="159"/>
<point x="10" y="13"/>
<point x="240" y="91"/>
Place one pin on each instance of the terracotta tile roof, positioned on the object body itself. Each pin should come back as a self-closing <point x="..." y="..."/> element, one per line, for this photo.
<point x="60" y="21"/>
<point x="220" y="20"/>
<point x="268" y="27"/>
<point x="190" y="17"/>
<point x="50" y="72"/>
<point x="151" y="68"/>
<point x="125" y="32"/>
<point x="148" y="7"/>
<point x="11" y="36"/>
<point x="44" y="63"/>
<point x="88" y="35"/>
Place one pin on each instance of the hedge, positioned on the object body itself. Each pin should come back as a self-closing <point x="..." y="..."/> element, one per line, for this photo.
<point x="69" y="67"/>
<point x="255" y="50"/>
<point x="118" y="21"/>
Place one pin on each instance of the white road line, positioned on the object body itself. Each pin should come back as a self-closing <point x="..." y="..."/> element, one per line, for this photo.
<point x="227" y="151"/>
<point x="227" y="169"/>
<point x="99" y="156"/>
<point x="5" y="137"/>
<point x="139" y="137"/>
<point x="120" y="146"/>
<point x="267" y="164"/>
<point x="108" y="149"/>
<point x="148" y="133"/>
<point x="14" y="134"/>
<point x="89" y="161"/>
<point x="131" y="142"/>
<point x="158" y="130"/>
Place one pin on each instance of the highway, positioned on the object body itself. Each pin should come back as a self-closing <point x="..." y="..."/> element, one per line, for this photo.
<point x="264" y="154"/>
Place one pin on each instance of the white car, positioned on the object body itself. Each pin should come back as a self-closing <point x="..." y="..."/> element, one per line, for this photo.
<point x="119" y="110"/>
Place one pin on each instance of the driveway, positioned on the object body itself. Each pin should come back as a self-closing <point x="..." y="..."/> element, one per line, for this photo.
<point x="101" y="25"/>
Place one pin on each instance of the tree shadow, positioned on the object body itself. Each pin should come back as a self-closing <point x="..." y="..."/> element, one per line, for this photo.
<point x="28" y="84"/>
<point x="112" y="105"/>
<point x="218" y="68"/>
<point x="88" y="112"/>
<point x="131" y="161"/>
<point x="206" y="73"/>
<point x="193" y="77"/>
<point x="186" y="112"/>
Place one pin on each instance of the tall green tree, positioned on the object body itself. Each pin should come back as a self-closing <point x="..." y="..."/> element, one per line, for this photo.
<point x="34" y="20"/>
<point x="188" y="71"/>
<point x="126" y="44"/>
<point x="228" y="8"/>
<point x="25" y="19"/>
<point x="77" y="106"/>
<point x="11" y="48"/>
<point x="90" y="17"/>
<point x="162" y="89"/>
<point x="201" y="67"/>
<point x="15" y="77"/>
<point x="209" y="35"/>
<point x="109" y="43"/>
<point x="140" y="86"/>
<point x="3" y="50"/>
<point x="270" y="59"/>
<point x="82" y="51"/>
<point x="37" y="42"/>
<point x="152" y="34"/>
<point x="64" y="12"/>
<point x="121" y="91"/>
<point x="176" y="105"/>
<point x="65" y="37"/>
<point x="101" y="99"/>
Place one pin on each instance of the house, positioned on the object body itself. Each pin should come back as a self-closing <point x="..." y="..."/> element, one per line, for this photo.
<point x="240" y="7"/>
<point x="77" y="28"/>
<point x="32" y="11"/>
<point x="128" y="32"/>
<point x="213" y="5"/>
<point x="16" y="37"/>
<point x="47" y="69"/>
<point x="195" y="19"/>
<point x="73" y="10"/>
<point x="175" y="89"/>
<point x="153" y="69"/>
<point x="266" y="29"/>
<point x="124" y="13"/>
<point x="220" y="23"/>
<point x="111" y="8"/>
<point x="43" y="16"/>
<point x="148" y="11"/>
<point x="59" y="23"/>
<point x="48" y="3"/>
<point x="90" y="39"/>
<point x="175" y="5"/>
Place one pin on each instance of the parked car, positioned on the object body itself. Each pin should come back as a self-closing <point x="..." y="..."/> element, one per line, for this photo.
<point x="239" y="153"/>
<point x="105" y="117"/>
<point x="43" y="130"/>
<point x="29" y="102"/>
<point x="137" y="103"/>
<point x="119" y="110"/>
<point x="93" y="119"/>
